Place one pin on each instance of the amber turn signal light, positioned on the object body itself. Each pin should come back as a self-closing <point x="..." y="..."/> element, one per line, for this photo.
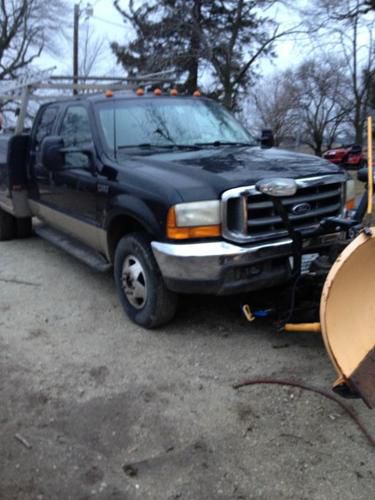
<point x="184" y="233"/>
<point x="350" y="204"/>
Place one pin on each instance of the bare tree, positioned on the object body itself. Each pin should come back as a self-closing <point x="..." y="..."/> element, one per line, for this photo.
<point x="25" y="28"/>
<point x="342" y="26"/>
<point x="91" y="50"/>
<point x="341" y="10"/>
<point x="237" y="35"/>
<point x="320" y="101"/>
<point x="275" y="104"/>
<point x="360" y="61"/>
<point x="372" y="92"/>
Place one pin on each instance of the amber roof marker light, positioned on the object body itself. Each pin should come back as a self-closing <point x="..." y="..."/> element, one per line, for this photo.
<point x="157" y="92"/>
<point x="109" y="93"/>
<point x="139" y="92"/>
<point x="173" y="92"/>
<point x="197" y="93"/>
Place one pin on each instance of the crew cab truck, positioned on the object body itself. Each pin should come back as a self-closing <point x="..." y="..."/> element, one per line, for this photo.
<point x="163" y="189"/>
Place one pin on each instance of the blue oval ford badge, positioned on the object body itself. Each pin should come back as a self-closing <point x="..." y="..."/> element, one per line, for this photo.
<point x="301" y="209"/>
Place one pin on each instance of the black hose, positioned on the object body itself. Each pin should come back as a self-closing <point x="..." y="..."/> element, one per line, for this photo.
<point x="293" y="383"/>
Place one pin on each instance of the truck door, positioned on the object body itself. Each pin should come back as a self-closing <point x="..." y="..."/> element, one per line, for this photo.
<point x="74" y="187"/>
<point x="70" y="200"/>
<point x="39" y="176"/>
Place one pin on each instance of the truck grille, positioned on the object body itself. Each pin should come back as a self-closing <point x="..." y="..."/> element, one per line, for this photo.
<point x="250" y="215"/>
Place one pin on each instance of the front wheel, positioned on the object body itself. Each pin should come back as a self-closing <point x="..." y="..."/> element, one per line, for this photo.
<point x="139" y="283"/>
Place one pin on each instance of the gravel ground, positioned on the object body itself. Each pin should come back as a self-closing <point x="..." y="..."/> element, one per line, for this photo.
<point x="110" y="411"/>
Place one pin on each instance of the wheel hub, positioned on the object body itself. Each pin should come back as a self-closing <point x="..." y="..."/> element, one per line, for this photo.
<point x="134" y="282"/>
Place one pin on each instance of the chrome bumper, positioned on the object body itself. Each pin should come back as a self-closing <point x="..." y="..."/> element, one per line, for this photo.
<point x="205" y="261"/>
<point x="213" y="262"/>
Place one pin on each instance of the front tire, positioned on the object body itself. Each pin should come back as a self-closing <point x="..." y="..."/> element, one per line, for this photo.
<point x="8" y="226"/>
<point x="140" y="285"/>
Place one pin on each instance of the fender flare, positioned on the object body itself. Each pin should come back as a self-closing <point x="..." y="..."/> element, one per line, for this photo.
<point x="130" y="206"/>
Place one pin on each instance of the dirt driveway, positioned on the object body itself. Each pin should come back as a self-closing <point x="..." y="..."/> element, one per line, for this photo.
<point x="105" y="410"/>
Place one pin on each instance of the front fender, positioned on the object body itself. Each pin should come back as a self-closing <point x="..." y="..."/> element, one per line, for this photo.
<point x="130" y="206"/>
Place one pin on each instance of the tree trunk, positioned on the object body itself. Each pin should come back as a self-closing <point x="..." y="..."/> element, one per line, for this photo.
<point x="195" y="45"/>
<point x="358" y="126"/>
<point x="318" y="148"/>
<point x="228" y="98"/>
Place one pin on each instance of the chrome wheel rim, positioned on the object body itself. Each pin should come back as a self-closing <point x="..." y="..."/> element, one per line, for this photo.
<point x="134" y="283"/>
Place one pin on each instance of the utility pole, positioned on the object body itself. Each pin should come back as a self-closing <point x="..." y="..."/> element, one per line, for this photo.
<point x="75" y="46"/>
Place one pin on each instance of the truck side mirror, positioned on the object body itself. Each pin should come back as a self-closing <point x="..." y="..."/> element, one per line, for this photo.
<point x="51" y="155"/>
<point x="266" y="139"/>
<point x="80" y="157"/>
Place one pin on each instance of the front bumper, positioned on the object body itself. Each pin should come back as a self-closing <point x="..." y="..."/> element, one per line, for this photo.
<point x="222" y="268"/>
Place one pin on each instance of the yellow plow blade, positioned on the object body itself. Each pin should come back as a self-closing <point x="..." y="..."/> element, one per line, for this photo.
<point x="347" y="315"/>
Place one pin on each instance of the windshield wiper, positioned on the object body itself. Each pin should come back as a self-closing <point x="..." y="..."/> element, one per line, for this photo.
<point x="144" y="145"/>
<point x="148" y="145"/>
<point x="223" y="143"/>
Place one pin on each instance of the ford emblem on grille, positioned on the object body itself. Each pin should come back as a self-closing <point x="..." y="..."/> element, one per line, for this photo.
<point x="301" y="209"/>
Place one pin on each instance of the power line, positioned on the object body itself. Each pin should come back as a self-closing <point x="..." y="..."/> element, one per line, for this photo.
<point x="108" y="22"/>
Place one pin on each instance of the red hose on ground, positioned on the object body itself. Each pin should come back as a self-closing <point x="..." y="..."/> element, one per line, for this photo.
<point x="306" y="387"/>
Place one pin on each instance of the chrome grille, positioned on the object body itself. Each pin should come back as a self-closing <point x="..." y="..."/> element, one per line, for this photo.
<point x="250" y="216"/>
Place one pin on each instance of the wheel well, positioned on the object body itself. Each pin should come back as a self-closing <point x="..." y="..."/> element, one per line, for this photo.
<point x="119" y="227"/>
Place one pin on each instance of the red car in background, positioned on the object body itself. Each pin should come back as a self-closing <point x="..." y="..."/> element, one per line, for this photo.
<point x="349" y="156"/>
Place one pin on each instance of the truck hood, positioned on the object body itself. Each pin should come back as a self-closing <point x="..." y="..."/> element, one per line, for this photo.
<point x="210" y="171"/>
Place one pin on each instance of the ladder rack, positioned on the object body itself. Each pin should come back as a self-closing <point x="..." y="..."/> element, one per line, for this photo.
<point x="25" y="89"/>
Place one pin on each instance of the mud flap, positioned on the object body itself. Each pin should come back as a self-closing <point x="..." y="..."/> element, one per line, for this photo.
<point x="347" y="315"/>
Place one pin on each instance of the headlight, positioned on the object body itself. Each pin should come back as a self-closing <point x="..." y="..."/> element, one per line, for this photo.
<point x="200" y="213"/>
<point x="200" y="219"/>
<point x="350" y="194"/>
<point x="277" y="187"/>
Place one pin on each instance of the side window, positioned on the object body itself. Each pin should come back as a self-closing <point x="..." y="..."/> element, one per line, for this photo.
<point x="76" y="133"/>
<point x="45" y="125"/>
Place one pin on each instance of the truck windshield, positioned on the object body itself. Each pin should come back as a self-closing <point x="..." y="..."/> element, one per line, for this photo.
<point x="168" y="122"/>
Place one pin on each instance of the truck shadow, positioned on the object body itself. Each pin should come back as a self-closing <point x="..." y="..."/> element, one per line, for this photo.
<point x="197" y="315"/>
<point x="223" y="317"/>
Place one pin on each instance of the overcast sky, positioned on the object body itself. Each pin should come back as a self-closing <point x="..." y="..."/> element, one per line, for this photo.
<point x="106" y="22"/>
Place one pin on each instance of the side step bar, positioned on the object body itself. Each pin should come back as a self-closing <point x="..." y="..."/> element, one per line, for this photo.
<point x="75" y="248"/>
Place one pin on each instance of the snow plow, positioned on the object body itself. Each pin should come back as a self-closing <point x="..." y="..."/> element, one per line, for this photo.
<point x="347" y="316"/>
<point x="341" y="293"/>
<point x="347" y="308"/>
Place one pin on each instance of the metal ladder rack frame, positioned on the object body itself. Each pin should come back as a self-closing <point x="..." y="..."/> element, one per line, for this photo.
<point x="25" y="89"/>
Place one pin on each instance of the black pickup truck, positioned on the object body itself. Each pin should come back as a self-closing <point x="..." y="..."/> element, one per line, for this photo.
<point x="165" y="190"/>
